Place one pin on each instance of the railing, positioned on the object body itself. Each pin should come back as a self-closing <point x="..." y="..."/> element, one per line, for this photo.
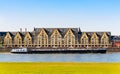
<point x="62" y="45"/>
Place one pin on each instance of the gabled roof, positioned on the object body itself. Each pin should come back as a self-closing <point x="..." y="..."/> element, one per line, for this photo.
<point x="61" y="30"/>
<point x="11" y="34"/>
<point x="74" y="31"/>
<point x="99" y="34"/>
<point x="90" y="34"/>
<point x="30" y="33"/>
<point x="86" y="34"/>
<point x="21" y="34"/>
<point x="14" y="34"/>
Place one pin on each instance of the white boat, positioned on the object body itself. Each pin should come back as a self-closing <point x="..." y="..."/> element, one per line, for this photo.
<point x="19" y="50"/>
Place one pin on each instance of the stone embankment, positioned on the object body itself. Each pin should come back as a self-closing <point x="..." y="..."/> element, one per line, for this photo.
<point x="5" y="50"/>
<point x="113" y="50"/>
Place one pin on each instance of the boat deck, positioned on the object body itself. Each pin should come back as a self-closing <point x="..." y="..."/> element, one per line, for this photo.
<point x="67" y="50"/>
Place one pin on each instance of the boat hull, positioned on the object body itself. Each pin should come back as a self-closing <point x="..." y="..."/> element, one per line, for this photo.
<point x="70" y="51"/>
<point x="64" y="51"/>
<point x="37" y="50"/>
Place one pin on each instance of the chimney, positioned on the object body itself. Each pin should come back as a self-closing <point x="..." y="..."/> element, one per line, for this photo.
<point x="34" y="29"/>
<point x="20" y="29"/>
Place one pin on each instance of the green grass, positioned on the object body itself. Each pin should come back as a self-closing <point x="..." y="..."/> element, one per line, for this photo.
<point x="59" y="68"/>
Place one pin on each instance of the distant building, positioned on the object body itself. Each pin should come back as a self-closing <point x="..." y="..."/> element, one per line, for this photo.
<point x="57" y="38"/>
<point x="115" y="41"/>
<point x="2" y="35"/>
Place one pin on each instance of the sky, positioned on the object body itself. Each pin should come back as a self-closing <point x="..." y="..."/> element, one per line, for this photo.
<point x="89" y="15"/>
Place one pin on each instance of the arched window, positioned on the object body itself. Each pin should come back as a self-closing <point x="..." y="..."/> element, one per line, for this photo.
<point x="18" y="39"/>
<point x="94" y="39"/>
<point x="42" y="38"/>
<point x="27" y="40"/>
<point x="8" y="39"/>
<point x="84" y="39"/>
<point x="56" y="38"/>
<point x="104" y="39"/>
<point x="69" y="39"/>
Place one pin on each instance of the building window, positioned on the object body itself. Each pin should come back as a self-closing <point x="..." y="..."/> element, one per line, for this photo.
<point x="69" y="39"/>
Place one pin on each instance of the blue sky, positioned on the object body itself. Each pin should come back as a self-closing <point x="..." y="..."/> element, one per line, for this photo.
<point x="89" y="15"/>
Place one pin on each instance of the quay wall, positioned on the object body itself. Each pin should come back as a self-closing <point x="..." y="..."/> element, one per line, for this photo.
<point x="4" y="50"/>
<point x="113" y="50"/>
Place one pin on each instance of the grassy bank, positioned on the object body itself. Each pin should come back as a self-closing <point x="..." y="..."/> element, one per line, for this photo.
<point x="59" y="68"/>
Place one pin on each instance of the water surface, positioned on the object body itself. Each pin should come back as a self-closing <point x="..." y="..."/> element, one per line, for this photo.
<point x="108" y="57"/>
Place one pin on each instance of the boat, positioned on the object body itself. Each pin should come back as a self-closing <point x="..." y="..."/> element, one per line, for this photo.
<point x="19" y="50"/>
<point x="55" y="50"/>
<point x="82" y="50"/>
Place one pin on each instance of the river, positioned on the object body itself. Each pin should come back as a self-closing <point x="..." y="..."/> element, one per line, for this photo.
<point x="91" y="57"/>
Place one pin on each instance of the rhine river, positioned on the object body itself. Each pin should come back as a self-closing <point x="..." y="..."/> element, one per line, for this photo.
<point x="91" y="57"/>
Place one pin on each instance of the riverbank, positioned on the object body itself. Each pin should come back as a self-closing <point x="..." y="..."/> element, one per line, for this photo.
<point x="5" y="50"/>
<point x="113" y="50"/>
<point x="59" y="68"/>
